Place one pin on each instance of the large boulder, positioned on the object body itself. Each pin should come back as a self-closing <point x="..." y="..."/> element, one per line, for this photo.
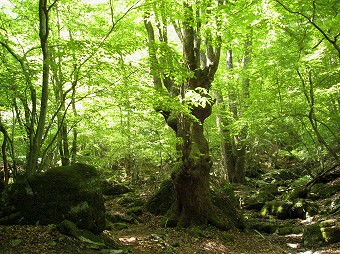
<point x="321" y="233"/>
<point x="161" y="202"/>
<point x="256" y="200"/>
<point x="70" y="192"/>
<point x="312" y="236"/>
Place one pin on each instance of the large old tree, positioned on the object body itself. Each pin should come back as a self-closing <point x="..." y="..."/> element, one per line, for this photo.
<point x="201" y="47"/>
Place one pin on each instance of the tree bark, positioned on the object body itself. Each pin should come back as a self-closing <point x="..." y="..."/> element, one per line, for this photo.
<point x="74" y="148"/>
<point x="227" y="157"/>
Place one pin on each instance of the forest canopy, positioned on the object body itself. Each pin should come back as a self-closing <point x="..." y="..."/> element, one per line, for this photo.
<point x="104" y="82"/>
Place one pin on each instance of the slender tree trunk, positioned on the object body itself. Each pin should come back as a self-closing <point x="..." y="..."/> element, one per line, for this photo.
<point x="74" y="130"/>
<point x="76" y="72"/>
<point x="226" y="147"/>
<point x="62" y="136"/>
<point x="309" y="95"/>
<point x="5" y="176"/>
<point x="240" y="166"/>
<point x="231" y="155"/>
<point x="63" y="142"/>
<point x="234" y="146"/>
<point x="37" y="141"/>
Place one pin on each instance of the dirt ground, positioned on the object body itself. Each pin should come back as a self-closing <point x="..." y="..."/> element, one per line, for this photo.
<point x="148" y="237"/>
<point x="145" y="236"/>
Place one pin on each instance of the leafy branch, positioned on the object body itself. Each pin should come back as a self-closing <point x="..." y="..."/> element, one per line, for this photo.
<point x="112" y="28"/>
<point x="312" y="22"/>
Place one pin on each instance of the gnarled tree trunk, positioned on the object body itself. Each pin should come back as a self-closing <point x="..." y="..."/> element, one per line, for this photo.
<point x="191" y="176"/>
<point x="193" y="204"/>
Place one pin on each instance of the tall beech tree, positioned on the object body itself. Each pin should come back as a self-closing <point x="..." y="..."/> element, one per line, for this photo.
<point x="201" y="47"/>
<point x="37" y="138"/>
<point x="35" y="115"/>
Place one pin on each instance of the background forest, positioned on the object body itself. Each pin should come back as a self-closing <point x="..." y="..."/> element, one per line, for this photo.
<point x="78" y="87"/>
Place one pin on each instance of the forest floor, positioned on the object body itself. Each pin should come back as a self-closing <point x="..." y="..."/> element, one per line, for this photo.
<point x="146" y="236"/>
<point x="149" y="238"/>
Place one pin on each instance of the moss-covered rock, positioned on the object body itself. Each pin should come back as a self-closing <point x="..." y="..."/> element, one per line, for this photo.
<point x="312" y="236"/>
<point x="161" y="202"/>
<point x="297" y="230"/>
<point x="321" y="190"/>
<point x="298" y="192"/>
<point x="257" y="200"/>
<point x="284" y="230"/>
<point x="279" y="208"/>
<point x="269" y="190"/>
<point x="264" y="226"/>
<point x="71" y="192"/>
<point x="331" y="234"/>
<point x="252" y="203"/>
<point x="304" y="207"/>
<point x="330" y="230"/>
<point x="322" y="233"/>
<point x="88" y="238"/>
<point x="114" y="189"/>
<point x="283" y="209"/>
<point x="69" y="228"/>
<point x="129" y="200"/>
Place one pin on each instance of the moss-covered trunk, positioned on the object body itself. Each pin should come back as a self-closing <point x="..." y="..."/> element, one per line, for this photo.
<point x="191" y="178"/>
<point x="193" y="203"/>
